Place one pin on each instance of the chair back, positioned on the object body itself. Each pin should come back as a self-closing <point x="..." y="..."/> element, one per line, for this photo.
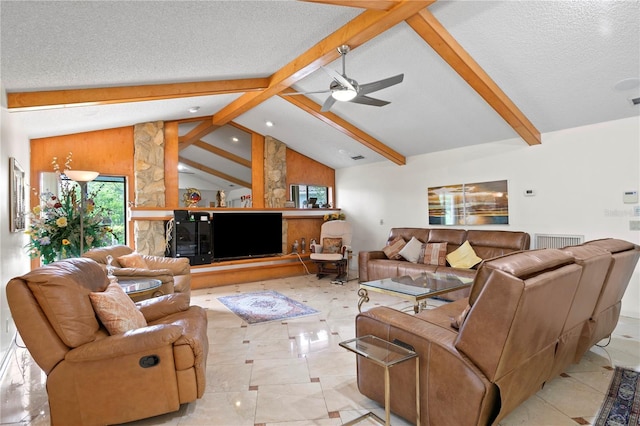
<point x="52" y="310"/>
<point x="337" y="229"/>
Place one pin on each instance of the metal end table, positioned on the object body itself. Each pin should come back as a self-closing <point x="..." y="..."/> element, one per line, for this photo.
<point x="385" y="354"/>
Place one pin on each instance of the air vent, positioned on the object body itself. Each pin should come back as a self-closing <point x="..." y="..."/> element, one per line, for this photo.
<point x="357" y="157"/>
<point x="635" y="101"/>
<point x="556" y="241"/>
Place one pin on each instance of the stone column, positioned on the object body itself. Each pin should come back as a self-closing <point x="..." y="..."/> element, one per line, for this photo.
<point x="148" y="140"/>
<point x="275" y="171"/>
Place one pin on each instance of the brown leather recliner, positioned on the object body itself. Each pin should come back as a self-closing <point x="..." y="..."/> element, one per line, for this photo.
<point x="175" y="273"/>
<point x="94" y="378"/>
<point x="502" y="354"/>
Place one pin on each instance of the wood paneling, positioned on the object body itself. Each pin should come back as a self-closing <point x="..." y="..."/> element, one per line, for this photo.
<point x="308" y="228"/>
<point x="171" y="198"/>
<point x="257" y="170"/>
<point x="303" y="170"/>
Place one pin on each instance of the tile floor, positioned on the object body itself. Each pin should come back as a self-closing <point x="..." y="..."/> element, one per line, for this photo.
<point x="294" y="373"/>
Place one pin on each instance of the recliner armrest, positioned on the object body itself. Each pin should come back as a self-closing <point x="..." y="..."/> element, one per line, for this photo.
<point x="176" y="265"/>
<point x="159" y="307"/>
<point x="131" y="342"/>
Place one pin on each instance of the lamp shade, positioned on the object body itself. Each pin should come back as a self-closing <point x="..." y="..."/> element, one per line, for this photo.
<point x="81" y="175"/>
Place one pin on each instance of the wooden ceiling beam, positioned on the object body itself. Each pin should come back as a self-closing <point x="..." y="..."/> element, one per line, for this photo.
<point x="432" y="31"/>
<point x="123" y="94"/>
<point x="345" y="127"/>
<point x="359" y="30"/>
<point x="222" y="153"/>
<point x="198" y="132"/>
<point x="214" y="172"/>
<point x="362" y="4"/>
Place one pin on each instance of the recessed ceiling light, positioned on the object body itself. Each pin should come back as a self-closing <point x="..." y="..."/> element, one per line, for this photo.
<point x="627" y="84"/>
<point x="194" y="109"/>
<point x="269" y="123"/>
<point x="234" y="139"/>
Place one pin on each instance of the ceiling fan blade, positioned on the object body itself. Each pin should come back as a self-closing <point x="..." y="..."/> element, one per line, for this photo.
<point x="339" y="78"/>
<point x="380" y="84"/>
<point x="366" y="100"/>
<point x="306" y="93"/>
<point x="328" y="104"/>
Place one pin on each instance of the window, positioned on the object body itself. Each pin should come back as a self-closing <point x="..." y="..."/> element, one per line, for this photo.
<point x="111" y="194"/>
<point x="308" y="196"/>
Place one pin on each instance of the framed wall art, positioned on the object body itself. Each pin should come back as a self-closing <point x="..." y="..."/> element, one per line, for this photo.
<point x="480" y="203"/>
<point x="17" y="191"/>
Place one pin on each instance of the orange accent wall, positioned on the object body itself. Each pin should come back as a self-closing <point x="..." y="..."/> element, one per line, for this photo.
<point x="302" y="170"/>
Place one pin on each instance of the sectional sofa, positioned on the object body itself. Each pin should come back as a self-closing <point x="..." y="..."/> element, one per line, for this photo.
<point x="529" y="315"/>
<point x="486" y="244"/>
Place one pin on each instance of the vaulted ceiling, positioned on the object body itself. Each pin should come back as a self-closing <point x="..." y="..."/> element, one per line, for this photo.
<point x="474" y="72"/>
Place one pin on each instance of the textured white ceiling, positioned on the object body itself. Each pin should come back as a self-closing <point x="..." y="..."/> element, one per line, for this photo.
<point x="558" y="62"/>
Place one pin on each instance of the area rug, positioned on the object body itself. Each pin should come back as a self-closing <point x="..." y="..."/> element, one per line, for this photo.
<point x="621" y="406"/>
<point x="264" y="306"/>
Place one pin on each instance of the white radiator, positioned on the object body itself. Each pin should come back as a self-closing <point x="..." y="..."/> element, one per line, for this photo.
<point x="556" y="240"/>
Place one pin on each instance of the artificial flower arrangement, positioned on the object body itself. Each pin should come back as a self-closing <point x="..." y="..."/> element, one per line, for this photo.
<point x="54" y="225"/>
<point x="334" y="216"/>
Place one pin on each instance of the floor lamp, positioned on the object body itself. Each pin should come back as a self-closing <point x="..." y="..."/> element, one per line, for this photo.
<point x="82" y="177"/>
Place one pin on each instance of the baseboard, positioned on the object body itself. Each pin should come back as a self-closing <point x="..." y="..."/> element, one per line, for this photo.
<point x="4" y="363"/>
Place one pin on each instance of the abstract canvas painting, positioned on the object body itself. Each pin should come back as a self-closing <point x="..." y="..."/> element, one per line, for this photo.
<point x="480" y="203"/>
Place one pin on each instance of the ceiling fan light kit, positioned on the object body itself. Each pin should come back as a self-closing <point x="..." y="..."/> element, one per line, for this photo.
<point x="345" y="89"/>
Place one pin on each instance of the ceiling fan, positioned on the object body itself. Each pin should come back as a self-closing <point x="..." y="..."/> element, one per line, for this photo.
<point x="345" y="89"/>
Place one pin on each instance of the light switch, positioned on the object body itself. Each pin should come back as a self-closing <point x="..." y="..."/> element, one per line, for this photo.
<point x="630" y="197"/>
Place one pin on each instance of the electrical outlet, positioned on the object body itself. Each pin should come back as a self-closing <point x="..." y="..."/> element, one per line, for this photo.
<point x="381" y="221"/>
<point x="634" y="225"/>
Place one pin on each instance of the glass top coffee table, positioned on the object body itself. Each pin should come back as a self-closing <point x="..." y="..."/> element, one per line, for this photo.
<point x="414" y="288"/>
<point x="142" y="288"/>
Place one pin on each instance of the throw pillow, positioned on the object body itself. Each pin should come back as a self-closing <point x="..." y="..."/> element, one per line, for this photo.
<point x="133" y="260"/>
<point x="392" y="251"/>
<point x="463" y="257"/>
<point x="116" y="310"/>
<point x="435" y="254"/>
<point x="332" y="245"/>
<point x="411" y="250"/>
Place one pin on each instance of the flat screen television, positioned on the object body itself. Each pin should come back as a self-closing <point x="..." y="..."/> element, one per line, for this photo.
<point x="243" y="235"/>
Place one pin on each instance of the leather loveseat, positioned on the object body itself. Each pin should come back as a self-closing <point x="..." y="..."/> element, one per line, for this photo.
<point x="375" y="265"/>
<point x="96" y="376"/>
<point x="175" y="273"/>
<point x="529" y="315"/>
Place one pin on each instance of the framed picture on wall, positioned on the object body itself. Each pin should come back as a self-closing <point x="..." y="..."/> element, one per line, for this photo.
<point x="479" y="203"/>
<point x="17" y="202"/>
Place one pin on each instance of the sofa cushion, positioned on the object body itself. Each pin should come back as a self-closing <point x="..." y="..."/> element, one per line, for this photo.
<point x="411" y="251"/>
<point x="434" y="254"/>
<point x="133" y="260"/>
<point x="463" y="257"/>
<point x="62" y="291"/>
<point x="392" y="251"/>
<point x="331" y="245"/>
<point x="116" y="310"/>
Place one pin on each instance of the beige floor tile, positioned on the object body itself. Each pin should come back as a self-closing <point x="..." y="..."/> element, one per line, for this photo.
<point x="272" y="349"/>
<point x="598" y="380"/>
<point x="332" y="364"/>
<point x="294" y="402"/>
<point x="228" y="377"/>
<point x="223" y="409"/>
<point x="271" y="331"/>
<point x="535" y="411"/>
<point x="341" y="393"/>
<point x="572" y="397"/>
<point x="279" y="371"/>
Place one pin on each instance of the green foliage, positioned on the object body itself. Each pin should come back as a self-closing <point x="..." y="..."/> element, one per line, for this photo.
<point x="54" y="226"/>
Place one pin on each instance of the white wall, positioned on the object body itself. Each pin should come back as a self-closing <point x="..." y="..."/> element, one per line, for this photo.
<point x="579" y="176"/>
<point x="13" y="258"/>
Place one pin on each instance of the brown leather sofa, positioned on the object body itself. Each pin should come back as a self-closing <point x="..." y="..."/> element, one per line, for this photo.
<point x="528" y="316"/>
<point x="175" y="273"/>
<point x="374" y="265"/>
<point x="94" y="378"/>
